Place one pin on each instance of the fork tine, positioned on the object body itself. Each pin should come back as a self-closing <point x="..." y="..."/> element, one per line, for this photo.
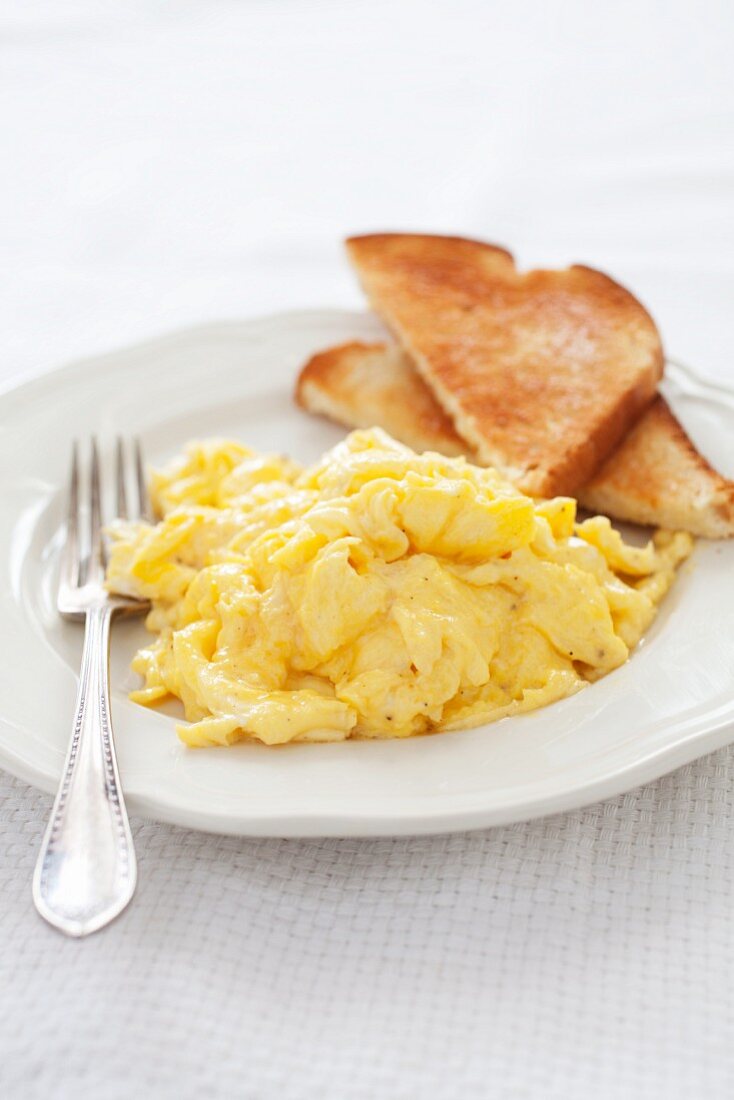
<point x="144" y="509"/>
<point x="69" y="574"/>
<point x="95" y="568"/>
<point x="120" y="479"/>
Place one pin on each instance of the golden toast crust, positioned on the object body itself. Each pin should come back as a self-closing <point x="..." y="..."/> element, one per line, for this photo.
<point x="542" y="372"/>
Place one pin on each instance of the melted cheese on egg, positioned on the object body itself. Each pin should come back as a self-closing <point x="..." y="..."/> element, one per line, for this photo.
<point x="378" y="593"/>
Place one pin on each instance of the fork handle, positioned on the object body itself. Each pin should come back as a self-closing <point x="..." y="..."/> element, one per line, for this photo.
<point x="86" y="870"/>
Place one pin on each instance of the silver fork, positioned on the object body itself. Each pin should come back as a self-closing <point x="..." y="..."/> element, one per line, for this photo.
<point x="86" y="870"/>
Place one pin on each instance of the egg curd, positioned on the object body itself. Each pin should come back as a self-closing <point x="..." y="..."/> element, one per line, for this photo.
<point x="378" y="593"/>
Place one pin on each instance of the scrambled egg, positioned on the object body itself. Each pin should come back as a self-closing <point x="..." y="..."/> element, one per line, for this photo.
<point x="378" y="593"/>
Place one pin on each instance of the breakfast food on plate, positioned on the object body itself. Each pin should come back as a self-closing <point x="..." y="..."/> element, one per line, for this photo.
<point x="658" y="477"/>
<point x="363" y="385"/>
<point x="655" y="476"/>
<point x="542" y="372"/>
<point x="377" y="593"/>
<point x="537" y="374"/>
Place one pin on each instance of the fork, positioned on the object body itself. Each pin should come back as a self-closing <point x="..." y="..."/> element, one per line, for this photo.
<point x="86" y="870"/>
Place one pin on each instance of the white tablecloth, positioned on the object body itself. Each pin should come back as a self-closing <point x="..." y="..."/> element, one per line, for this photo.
<point x="170" y="163"/>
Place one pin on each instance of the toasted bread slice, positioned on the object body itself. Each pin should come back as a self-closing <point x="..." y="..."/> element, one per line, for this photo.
<point x="542" y="373"/>
<point x="656" y="476"/>
<point x="363" y="385"/>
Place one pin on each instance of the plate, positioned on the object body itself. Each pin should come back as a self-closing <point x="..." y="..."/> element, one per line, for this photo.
<point x="673" y="701"/>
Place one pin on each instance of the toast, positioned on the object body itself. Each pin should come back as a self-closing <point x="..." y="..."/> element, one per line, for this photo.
<point x="656" y="476"/>
<point x="363" y="385"/>
<point x="542" y="372"/>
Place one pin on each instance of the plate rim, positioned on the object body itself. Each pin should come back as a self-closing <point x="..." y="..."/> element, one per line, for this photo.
<point x="707" y="733"/>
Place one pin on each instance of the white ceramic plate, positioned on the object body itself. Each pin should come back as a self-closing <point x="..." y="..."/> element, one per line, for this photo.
<point x="673" y="701"/>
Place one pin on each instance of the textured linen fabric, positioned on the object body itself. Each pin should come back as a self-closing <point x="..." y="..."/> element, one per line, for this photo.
<point x="168" y="164"/>
<point x="584" y="955"/>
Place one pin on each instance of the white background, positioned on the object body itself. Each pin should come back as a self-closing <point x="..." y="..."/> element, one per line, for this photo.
<point x="168" y="163"/>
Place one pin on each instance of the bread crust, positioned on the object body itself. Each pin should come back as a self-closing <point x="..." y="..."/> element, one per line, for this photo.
<point x="542" y="372"/>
